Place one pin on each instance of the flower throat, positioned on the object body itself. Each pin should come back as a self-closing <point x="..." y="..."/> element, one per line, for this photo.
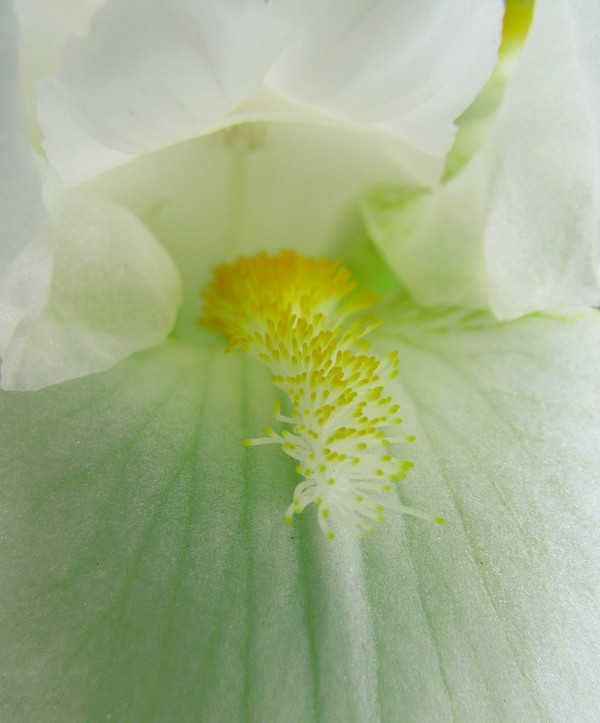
<point x="294" y="314"/>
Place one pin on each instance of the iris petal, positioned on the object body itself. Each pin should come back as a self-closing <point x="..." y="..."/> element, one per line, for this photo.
<point x="408" y="68"/>
<point x="113" y="290"/>
<point x="148" y="573"/>
<point x="25" y="257"/>
<point x="517" y="229"/>
<point x="152" y="73"/>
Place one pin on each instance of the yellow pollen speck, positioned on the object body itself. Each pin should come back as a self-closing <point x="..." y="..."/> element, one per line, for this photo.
<point x="305" y="319"/>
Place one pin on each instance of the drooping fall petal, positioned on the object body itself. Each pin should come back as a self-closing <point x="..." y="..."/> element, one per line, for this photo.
<point x="148" y="573"/>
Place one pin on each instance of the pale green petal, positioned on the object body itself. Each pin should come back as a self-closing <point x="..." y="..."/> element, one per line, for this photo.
<point x="508" y="428"/>
<point x="148" y="575"/>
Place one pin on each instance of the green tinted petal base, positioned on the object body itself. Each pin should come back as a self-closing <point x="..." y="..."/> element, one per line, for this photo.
<point x="148" y="573"/>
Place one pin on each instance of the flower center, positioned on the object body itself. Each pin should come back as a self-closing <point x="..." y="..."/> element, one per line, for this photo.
<point x="293" y="313"/>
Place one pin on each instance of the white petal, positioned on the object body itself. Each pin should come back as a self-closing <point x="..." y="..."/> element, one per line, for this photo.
<point x="148" y="573"/>
<point x="542" y="240"/>
<point x="519" y="229"/>
<point x="82" y="151"/>
<point x="152" y="72"/>
<point x="114" y="290"/>
<point x="409" y="68"/>
<point x="155" y="73"/>
<point x="55" y="23"/>
<point x="45" y="28"/>
<point x="25" y="262"/>
<point x="432" y="242"/>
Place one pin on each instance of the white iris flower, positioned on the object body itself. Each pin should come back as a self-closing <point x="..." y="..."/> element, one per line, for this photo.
<point x="147" y="570"/>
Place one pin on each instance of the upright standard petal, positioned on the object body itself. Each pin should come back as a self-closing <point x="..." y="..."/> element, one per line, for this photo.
<point x="519" y="228"/>
<point x="154" y="73"/>
<point x="114" y="290"/>
<point x="25" y="259"/>
<point x="45" y="28"/>
<point x="148" y="574"/>
<point x="407" y="68"/>
<point x="542" y="242"/>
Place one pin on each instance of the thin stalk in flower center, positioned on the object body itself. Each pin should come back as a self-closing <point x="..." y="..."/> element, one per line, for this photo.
<point x="240" y="140"/>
